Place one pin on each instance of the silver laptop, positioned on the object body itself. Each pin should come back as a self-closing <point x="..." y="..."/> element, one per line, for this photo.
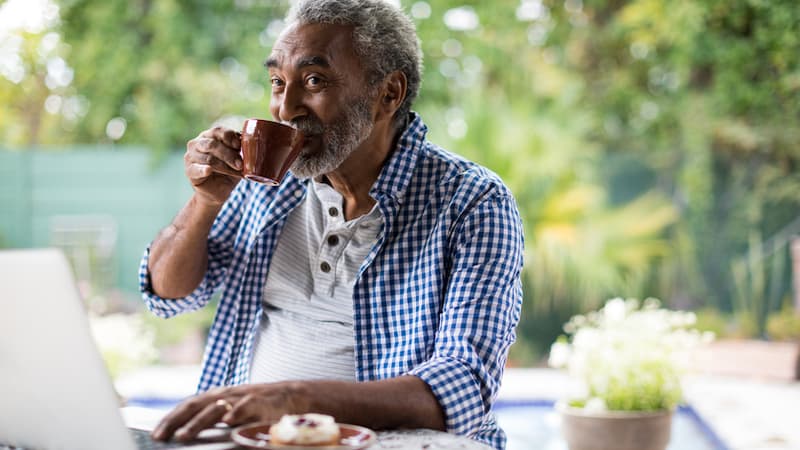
<point x="55" y="392"/>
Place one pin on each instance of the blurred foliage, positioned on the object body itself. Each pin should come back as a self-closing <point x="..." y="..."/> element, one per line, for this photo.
<point x="713" y="320"/>
<point x="652" y="145"/>
<point x="738" y="325"/>
<point x="169" y="68"/>
<point x="124" y="341"/>
<point x="753" y="299"/>
<point x="168" y="332"/>
<point x="781" y="325"/>
<point x="785" y="325"/>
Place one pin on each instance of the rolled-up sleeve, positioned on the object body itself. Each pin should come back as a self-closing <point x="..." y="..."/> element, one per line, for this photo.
<point x="479" y="315"/>
<point x="220" y="253"/>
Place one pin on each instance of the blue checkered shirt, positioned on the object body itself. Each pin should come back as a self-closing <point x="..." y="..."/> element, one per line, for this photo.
<point x="438" y="296"/>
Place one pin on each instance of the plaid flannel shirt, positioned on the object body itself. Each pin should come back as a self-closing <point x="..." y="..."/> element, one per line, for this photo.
<point x="438" y="296"/>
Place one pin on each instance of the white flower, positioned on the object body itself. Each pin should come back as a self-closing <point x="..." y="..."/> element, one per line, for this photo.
<point x="615" y="310"/>
<point x="629" y="357"/>
<point x="595" y="404"/>
<point x="559" y="354"/>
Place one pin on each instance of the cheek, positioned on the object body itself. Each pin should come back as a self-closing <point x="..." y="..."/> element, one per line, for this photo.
<point x="319" y="108"/>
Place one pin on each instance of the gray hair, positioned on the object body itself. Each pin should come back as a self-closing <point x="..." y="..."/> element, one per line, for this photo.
<point x="383" y="37"/>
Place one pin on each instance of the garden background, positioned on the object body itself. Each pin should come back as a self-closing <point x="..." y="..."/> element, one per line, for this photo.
<point x="653" y="146"/>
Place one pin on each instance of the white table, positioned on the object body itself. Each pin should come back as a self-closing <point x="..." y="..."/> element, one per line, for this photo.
<point x="424" y="440"/>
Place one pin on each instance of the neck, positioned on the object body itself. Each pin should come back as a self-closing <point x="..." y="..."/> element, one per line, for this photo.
<point x="354" y="178"/>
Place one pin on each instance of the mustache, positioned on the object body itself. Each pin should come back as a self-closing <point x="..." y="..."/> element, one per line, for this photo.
<point x="307" y="125"/>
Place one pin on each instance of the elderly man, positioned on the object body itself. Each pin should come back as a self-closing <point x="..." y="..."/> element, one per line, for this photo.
<point x="379" y="283"/>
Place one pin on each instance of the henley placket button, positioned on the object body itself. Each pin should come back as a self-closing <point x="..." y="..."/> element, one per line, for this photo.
<point x="325" y="267"/>
<point x="333" y="211"/>
<point x="333" y="240"/>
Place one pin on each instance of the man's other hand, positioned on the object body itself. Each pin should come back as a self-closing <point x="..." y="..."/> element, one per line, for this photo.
<point x="233" y="405"/>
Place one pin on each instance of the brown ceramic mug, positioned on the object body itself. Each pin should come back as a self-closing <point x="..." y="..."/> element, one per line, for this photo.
<point x="268" y="150"/>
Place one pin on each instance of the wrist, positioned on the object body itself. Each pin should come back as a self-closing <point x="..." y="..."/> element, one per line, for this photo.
<point x="300" y="398"/>
<point x="205" y="206"/>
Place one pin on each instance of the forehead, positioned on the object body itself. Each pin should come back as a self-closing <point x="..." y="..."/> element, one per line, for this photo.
<point x="332" y="43"/>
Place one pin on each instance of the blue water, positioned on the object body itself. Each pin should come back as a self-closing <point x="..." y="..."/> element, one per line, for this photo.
<point x="534" y="424"/>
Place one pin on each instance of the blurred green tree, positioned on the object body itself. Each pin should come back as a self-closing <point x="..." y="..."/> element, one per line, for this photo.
<point x="141" y="71"/>
<point x="706" y="94"/>
<point x="170" y="67"/>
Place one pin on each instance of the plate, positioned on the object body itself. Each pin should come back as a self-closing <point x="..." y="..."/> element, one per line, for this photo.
<point x="256" y="436"/>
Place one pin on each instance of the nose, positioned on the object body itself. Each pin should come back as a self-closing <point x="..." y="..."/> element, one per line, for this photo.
<point x="288" y="105"/>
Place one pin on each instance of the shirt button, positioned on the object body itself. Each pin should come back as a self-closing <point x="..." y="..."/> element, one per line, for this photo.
<point x="333" y="212"/>
<point x="325" y="267"/>
<point x="333" y="240"/>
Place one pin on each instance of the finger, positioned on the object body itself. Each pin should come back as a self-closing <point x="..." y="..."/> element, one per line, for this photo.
<point x="198" y="173"/>
<point x="253" y="408"/>
<point x="223" y="168"/>
<point x="206" y="418"/>
<point x="229" y="137"/>
<point x="182" y="413"/>
<point x="178" y="417"/>
<point x="206" y="149"/>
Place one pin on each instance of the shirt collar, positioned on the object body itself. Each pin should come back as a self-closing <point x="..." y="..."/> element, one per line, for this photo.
<point x="396" y="173"/>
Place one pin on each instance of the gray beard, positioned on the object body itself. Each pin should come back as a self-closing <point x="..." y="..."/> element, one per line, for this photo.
<point x="339" y="139"/>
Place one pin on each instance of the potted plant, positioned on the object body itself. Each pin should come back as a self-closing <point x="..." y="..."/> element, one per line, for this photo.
<point x="629" y="357"/>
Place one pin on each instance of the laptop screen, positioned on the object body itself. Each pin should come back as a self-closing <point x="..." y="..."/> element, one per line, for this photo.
<point x="54" y="387"/>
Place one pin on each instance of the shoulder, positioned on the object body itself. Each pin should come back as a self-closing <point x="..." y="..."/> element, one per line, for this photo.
<point x="446" y="171"/>
<point x="419" y="169"/>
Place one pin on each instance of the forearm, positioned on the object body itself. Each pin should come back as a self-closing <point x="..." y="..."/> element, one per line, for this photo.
<point x="402" y="402"/>
<point x="179" y="254"/>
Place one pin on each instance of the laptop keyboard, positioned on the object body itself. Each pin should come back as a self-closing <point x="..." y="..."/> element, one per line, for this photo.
<point x="141" y="438"/>
<point x="145" y="442"/>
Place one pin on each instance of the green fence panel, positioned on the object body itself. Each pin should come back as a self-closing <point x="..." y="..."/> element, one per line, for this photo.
<point x="15" y="214"/>
<point x="58" y="197"/>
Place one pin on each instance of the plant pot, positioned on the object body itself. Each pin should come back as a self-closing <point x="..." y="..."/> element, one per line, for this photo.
<point x="615" y="430"/>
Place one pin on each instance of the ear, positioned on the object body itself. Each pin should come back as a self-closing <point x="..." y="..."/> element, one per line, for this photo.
<point x="392" y="95"/>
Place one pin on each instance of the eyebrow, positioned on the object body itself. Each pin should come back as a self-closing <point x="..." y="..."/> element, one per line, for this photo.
<point x="272" y="62"/>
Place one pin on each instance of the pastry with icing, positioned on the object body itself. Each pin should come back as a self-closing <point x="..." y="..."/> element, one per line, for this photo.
<point x="305" y="429"/>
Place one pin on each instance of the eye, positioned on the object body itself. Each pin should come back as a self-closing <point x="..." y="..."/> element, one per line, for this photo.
<point x="276" y="82"/>
<point x="314" y="81"/>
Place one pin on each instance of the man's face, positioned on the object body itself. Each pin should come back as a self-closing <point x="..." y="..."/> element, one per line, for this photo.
<point x="318" y="86"/>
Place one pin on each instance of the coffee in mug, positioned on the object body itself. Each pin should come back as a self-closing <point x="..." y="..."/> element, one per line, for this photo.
<point x="268" y="150"/>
